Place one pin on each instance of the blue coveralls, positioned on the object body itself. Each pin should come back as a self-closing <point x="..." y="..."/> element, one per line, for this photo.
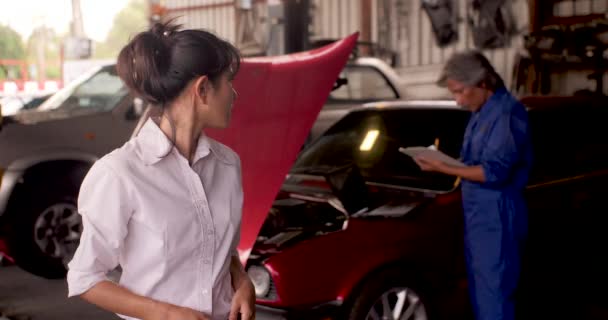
<point x="497" y="138"/>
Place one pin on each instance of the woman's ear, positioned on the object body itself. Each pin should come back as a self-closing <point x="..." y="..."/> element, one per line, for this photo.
<point x="201" y="86"/>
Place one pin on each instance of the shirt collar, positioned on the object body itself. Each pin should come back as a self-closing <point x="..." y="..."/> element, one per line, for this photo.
<point x="494" y="103"/>
<point x="153" y="145"/>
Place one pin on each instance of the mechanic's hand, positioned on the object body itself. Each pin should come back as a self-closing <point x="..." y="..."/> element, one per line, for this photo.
<point x="243" y="302"/>
<point x="429" y="164"/>
<point x="173" y="312"/>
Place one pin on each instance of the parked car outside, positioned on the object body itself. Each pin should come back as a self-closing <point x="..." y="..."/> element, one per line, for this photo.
<point x="35" y="102"/>
<point x="13" y="104"/>
<point x="44" y="155"/>
<point x="358" y="231"/>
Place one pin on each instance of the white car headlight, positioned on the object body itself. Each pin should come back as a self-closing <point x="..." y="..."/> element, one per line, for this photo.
<point x="261" y="280"/>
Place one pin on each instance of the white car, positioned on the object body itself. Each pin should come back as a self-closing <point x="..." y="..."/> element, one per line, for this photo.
<point x="12" y="104"/>
<point x="362" y="80"/>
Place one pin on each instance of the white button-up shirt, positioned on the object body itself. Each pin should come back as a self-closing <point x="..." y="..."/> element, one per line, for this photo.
<point x="172" y="227"/>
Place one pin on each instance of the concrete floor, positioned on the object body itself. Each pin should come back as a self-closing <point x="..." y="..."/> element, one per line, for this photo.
<point x="26" y="297"/>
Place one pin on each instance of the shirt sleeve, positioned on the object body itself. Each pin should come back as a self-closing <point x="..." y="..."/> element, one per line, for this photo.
<point x="505" y="149"/>
<point x="235" y="243"/>
<point x="103" y="205"/>
<point x="239" y="214"/>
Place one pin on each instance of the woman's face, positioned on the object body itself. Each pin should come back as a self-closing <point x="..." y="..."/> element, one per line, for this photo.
<point x="220" y="100"/>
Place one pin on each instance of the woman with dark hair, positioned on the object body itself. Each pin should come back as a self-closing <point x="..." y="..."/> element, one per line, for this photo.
<point x="166" y="206"/>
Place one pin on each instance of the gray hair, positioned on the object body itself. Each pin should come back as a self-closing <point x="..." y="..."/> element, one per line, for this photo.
<point x="471" y="68"/>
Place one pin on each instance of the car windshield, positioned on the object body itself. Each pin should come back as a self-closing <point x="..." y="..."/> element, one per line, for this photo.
<point x="100" y="89"/>
<point x="370" y="139"/>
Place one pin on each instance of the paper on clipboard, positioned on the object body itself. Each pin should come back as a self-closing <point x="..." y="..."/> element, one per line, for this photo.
<point x="431" y="153"/>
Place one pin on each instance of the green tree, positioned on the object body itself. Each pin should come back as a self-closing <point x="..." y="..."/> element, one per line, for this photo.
<point x="11" y="47"/>
<point x="129" y="21"/>
<point x="43" y="52"/>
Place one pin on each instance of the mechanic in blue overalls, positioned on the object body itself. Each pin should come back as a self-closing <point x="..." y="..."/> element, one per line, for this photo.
<point x="498" y="155"/>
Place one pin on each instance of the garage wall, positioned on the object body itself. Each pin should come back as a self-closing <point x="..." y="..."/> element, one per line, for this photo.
<point x="398" y="25"/>
<point x="422" y="58"/>
<point x="334" y="19"/>
<point x="218" y="16"/>
<point x="403" y="27"/>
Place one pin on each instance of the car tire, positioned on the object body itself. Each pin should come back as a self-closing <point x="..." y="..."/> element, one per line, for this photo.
<point x="44" y="226"/>
<point x="394" y="288"/>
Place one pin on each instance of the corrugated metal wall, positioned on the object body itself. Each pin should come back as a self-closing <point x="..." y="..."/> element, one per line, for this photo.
<point x="422" y="49"/>
<point x="404" y="27"/>
<point x="218" y="16"/>
<point x="410" y="30"/>
<point x="334" y="19"/>
<point x="398" y="25"/>
<point x="423" y="58"/>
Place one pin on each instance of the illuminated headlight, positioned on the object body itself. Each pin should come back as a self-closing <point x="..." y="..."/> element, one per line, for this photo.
<point x="261" y="280"/>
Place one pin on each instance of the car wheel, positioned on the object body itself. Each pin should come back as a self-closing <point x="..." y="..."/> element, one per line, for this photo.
<point x="45" y="227"/>
<point x="390" y="295"/>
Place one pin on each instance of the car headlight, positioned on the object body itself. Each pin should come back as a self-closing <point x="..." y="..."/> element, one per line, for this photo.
<point x="261" y="280"/>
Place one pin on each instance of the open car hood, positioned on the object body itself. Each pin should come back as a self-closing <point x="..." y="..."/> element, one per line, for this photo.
<point x="279" y="99"/>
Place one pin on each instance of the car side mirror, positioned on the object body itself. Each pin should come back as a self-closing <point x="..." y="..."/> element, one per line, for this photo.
<point x="339" y="83"/>
<point x="136" y="110"/>
<point x="349" y="186"/>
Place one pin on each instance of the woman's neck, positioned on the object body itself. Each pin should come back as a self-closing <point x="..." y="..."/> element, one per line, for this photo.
<point x="180" y="125"/>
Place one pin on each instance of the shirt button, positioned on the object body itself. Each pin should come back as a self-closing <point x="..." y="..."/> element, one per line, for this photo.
<point x="205" y="291"/>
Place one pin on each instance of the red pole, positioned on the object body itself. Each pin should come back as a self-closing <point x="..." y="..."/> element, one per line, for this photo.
<point x="23" y="68"/>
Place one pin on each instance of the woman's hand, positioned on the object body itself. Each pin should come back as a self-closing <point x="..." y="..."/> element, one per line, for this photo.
<point x="167" y="311"/>
<point x="243" y="301"/>
<point x="472" y="173"/>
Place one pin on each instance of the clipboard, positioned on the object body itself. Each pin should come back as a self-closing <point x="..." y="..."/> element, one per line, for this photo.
<point x="431" y="153"/>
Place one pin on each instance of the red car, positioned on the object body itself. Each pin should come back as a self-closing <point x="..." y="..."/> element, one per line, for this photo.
<point x="359" y="232"/>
